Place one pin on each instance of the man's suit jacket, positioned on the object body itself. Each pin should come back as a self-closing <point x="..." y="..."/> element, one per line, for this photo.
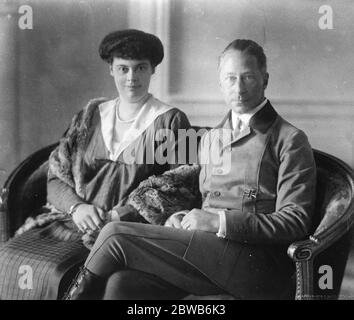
<point x="266" y="185"/>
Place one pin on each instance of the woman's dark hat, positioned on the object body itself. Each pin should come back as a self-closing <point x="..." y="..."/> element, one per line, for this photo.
<point x="131" y="44"/>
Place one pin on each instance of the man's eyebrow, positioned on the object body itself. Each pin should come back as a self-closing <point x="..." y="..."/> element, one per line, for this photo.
<point x="243" y="73"/>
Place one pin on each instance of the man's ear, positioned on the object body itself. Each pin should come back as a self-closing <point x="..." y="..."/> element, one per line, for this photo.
<point x="111" y="69"/>
<point x="266" y="78"/>
<point x="219" y="82"/>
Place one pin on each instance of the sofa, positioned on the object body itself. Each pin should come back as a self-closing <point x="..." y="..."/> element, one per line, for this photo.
<point x="56" y="263"/>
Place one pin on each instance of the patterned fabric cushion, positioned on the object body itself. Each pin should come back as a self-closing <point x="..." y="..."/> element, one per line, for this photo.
<point x="33" y="264"/>
<point x="333" y="198"/>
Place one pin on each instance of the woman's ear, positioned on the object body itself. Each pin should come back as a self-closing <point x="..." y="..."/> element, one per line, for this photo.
<point x="111" y="69"/>
<point x="153" y="68"/>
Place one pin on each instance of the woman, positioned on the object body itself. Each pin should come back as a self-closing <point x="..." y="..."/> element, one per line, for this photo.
<point x="109" y="148"/>
<point x="113" y="145"/>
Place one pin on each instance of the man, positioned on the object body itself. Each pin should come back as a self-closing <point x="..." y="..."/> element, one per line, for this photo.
<point x="252" y="209"/>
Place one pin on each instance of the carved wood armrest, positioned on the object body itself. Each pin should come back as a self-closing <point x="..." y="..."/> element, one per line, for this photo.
<point x="4" y="221"/>
<point x="303" y="253"/>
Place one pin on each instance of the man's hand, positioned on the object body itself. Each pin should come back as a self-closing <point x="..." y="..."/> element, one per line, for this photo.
<point x="88" y="217"/>
<point x="174" y="220"/>
<point x="202" y="220"/>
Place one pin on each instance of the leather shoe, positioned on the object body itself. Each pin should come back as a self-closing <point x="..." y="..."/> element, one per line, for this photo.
<point x="86" y="286"/>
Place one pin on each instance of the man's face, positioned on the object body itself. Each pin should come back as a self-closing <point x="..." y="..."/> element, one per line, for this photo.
<point x="132" y="78"/>
<point x="242" y="82"/>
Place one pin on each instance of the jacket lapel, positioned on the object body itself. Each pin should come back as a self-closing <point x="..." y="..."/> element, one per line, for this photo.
<point x="227" y="127"/>
<point x="264" y="118"/>
<point x="261" y="121"/>
<point x="244" y="133"/>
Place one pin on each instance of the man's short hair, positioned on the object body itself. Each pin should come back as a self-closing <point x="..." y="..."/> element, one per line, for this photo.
<point x="247" y="47"/>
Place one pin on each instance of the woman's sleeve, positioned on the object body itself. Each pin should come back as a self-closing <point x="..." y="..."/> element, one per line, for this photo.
<point x="180" y="127"/>
<point x="60" y="194"/>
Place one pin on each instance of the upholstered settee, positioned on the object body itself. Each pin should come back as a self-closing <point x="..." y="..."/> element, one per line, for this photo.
<point x="56" y="263"/>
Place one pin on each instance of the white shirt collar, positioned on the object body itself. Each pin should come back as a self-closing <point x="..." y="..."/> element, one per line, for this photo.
<point x="246" y="117"/>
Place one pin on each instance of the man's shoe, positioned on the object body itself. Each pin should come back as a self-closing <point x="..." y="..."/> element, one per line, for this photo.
<point x="86" y="286"/>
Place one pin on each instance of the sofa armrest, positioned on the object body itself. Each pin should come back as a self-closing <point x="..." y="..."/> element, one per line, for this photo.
<point x="304" y="252"/>
<point x="24" y="189"/>
<point x="4" y="221"/>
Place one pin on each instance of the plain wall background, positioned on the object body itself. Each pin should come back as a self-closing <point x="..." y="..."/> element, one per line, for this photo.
<point x="49" y="73"/>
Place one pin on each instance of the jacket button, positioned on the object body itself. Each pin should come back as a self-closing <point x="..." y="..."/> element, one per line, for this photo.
<point x="217" y="194"/>
<point x="219" y="171"/>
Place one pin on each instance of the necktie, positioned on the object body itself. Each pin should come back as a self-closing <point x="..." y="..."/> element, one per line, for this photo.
<point x="237" y="127"/>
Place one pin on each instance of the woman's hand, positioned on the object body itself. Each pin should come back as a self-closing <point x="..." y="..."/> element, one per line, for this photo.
<point x="88" y="217"/>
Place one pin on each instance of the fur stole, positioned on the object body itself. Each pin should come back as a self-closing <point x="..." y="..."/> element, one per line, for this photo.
<point x="65" y="162"/>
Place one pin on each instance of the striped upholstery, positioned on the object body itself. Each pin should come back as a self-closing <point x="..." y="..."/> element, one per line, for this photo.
<point x="49" y="257"/>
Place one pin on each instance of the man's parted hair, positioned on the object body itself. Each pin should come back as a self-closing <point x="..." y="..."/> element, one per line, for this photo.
<point x="247" y="47"/>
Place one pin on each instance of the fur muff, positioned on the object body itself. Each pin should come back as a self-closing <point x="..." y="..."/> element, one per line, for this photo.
<point x="157" y="197"/>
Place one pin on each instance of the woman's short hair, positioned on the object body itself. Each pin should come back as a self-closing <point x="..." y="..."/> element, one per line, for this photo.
<point x="131" y="44"/>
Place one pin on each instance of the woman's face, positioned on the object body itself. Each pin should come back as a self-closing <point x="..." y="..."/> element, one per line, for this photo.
<point x="132" y="78"/>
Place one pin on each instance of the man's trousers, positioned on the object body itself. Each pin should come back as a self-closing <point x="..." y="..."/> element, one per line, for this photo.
<point x="154" y="251"/>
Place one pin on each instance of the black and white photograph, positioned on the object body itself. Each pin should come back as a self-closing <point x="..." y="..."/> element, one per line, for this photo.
<point x="177" y="151"/>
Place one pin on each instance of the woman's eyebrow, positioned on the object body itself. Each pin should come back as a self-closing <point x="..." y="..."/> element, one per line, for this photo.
<point x="142" y="64"/>
<point x="138" y="65"/>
